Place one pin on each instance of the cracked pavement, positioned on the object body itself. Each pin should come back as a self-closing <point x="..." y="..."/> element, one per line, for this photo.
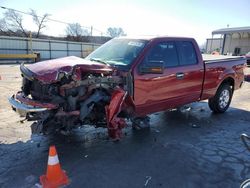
<point x="191" y="147"/>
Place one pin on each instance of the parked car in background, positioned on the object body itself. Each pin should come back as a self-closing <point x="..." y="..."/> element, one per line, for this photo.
<point x="248" y="58"/>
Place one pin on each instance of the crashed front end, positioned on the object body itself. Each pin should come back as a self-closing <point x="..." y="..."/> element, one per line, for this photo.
<point x="60" y="99"/>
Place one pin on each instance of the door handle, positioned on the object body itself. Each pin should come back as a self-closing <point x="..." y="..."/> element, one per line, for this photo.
<point x="180" y="75"/>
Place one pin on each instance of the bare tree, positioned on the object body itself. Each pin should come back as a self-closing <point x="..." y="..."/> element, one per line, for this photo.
<point x="4" y="30"/>
<point x="75" y="31"/>
<point x="3" y="26"/>
<point x="115" y="32"/>
<point x="14" y="22"/>
<point x="40" y="21"/>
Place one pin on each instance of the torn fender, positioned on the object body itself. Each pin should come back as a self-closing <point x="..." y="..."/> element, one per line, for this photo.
<point x="115" y="124"/>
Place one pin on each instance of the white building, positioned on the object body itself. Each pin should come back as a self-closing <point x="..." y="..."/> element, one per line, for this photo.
<point x="232" y="41"/>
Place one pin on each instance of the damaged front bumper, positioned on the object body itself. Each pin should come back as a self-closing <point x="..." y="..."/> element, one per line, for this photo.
<point x="31" y="109"/>
<point x="23" y="105"/>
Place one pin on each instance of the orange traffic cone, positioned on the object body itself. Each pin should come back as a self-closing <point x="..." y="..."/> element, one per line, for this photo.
<point x="55" y="176"/>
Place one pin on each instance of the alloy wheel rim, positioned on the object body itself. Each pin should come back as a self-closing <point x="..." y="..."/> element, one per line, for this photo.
<point x="224" y="99"/>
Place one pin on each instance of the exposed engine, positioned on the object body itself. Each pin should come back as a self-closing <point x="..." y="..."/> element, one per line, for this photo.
<point x="77" y="101"/>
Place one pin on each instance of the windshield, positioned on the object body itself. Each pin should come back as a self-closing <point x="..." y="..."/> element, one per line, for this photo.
<point x="118" y="51"/>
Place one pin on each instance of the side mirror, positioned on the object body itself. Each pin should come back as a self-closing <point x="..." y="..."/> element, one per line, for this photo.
<point x="152" y="67"/>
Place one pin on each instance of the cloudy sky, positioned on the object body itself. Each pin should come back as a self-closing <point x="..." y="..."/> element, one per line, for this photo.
<point x="192" y="18"/>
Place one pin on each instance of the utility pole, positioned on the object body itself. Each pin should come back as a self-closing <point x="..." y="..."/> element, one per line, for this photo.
<point x="30" y="41"/>
<point x="91" y="31"/>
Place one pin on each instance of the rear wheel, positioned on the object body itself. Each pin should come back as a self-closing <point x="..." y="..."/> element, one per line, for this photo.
<point x="222" y="99"/>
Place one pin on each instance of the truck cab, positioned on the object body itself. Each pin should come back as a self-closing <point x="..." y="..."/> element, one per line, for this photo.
<point x="179" y="80"/>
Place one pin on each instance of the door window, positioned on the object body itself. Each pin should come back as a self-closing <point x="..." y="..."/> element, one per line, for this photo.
<point x="163" y="52"/>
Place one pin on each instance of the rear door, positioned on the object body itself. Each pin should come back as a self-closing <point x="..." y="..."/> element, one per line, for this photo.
<point x="180" y="83"/>
<point x="191" y="69"/>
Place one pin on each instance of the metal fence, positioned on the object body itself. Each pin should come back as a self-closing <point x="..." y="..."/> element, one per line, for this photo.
<point x="48" y="49"/>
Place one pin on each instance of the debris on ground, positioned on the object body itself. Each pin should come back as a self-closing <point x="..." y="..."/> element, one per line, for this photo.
<point x="157" y="131"/>
<point x="185" y="109"/>
<point x="31" y="179"/>
<point x="147" y="180"/>
<point x="37" y="185"/>
<point x="202" y="110"/>
<point x="194" y="125"/>
<point x="141" y="123"/>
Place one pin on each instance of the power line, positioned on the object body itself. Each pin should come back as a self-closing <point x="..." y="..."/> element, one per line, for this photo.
<point x="50" y="19"/>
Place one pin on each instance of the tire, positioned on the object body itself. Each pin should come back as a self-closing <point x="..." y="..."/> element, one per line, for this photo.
<point x="222" y="99"/>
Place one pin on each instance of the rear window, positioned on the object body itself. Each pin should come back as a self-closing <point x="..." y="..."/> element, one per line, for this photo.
<point x="187" y="54"/>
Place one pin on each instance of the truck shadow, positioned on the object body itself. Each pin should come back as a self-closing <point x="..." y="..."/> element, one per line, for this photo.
<point x="196" y="115"/>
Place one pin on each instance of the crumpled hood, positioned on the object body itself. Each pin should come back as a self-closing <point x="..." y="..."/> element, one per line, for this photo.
<point x="47" y="71"/>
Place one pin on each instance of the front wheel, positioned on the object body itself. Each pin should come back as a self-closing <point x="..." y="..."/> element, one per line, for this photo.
<point x="222" y="99"/>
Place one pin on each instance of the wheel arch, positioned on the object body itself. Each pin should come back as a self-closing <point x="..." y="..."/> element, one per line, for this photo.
<point x="228" y="80"/>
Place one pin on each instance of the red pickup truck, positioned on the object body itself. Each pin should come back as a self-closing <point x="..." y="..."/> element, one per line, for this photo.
<point x="126" y="78"/>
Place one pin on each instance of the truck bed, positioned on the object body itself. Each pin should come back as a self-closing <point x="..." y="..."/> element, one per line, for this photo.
<point x="218" y="68"/>
<point x="208" y="58"/>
